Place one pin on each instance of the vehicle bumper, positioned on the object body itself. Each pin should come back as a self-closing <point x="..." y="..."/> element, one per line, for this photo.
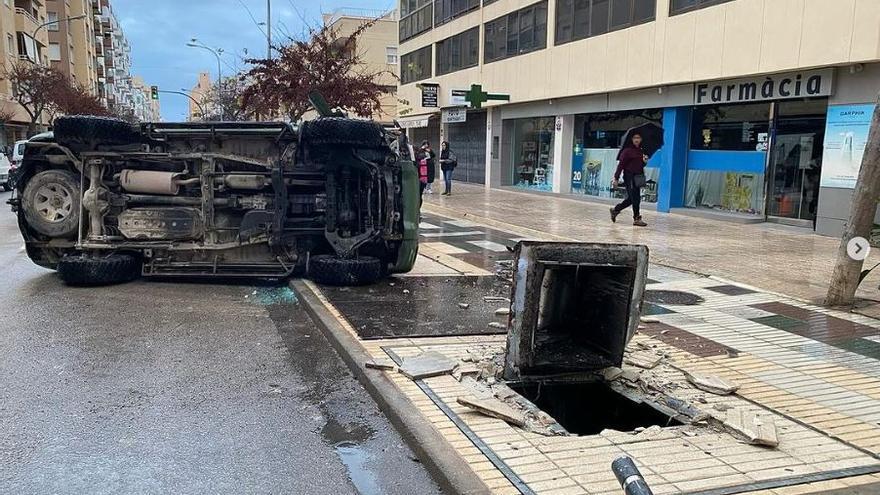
<point x="409" y="248"/>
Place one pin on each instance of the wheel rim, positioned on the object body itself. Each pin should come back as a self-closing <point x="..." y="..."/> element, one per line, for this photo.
<point x="53" y="202"/>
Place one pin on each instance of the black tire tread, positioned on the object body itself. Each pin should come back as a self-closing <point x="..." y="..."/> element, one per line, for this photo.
<point x="92" y="130"/>
<point x="344" y="131"/>
<point x="342" y="272"/>
<point x="87" y="271"/>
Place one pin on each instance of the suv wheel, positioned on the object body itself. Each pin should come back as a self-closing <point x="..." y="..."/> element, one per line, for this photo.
<point x="86" y="270"/>
<point x="332" y="270"/>
<point x="51" y="203"/>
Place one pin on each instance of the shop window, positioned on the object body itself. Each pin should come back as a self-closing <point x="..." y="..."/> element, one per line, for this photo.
<point x="579" y="19"/>
<point x="516" y="33"/>
<point x="735" y="192"/>
<point x="597" y="140"/>
<point x="446" y="10"/>
<point x="415" y="66"/>
<point x="681" y="6"/>
<point x="458" y="52"/>
<point x="416" y="19"/>
<point x="731" y="127"/>
<point x="533" y="153"/>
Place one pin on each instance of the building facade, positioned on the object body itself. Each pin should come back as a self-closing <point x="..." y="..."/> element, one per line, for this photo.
<point x="199" y="95"/>
<point x="72" y="43"/>
<point x="764" y="103"/>
<point x="146" y="109"/>
<point x="377" y="46"/>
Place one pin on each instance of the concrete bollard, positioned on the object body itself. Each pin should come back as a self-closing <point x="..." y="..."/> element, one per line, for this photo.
<point x="630" y="478"/>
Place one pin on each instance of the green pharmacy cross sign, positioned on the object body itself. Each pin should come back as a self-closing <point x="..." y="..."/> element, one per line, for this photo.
<point x="476" y="96"/>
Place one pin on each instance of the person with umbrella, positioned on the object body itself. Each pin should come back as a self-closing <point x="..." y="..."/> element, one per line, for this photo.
<point x="632" y="158"/>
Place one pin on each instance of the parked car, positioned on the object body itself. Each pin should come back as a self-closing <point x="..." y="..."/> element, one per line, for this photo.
<point x="15" y="160"/>
<point x="5" y="173"/>
<point x="102" y="201"/>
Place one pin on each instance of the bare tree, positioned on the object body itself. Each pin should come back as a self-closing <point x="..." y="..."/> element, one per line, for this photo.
<point x="35" y="88"/>
<point x="226" y="101"/>
<point x="847" y="271"/>
<point x="325" y="62"/>
<point x="74" y="99"/>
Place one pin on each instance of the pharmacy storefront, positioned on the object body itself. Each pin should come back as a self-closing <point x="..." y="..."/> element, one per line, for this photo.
<point x="781" y="147"/>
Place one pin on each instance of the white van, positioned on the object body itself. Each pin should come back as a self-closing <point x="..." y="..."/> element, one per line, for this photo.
<point x="18" y="152"/>
<point x="4" y="172"/>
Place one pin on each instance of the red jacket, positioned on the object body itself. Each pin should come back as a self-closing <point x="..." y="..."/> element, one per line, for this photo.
<point x="630" y="161"/>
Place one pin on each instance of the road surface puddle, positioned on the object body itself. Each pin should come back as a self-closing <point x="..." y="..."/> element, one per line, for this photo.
<point x="354" y="457"/>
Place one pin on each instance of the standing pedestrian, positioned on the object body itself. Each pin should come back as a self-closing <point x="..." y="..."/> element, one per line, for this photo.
<point x="422" y="165"/>
<point x="631" y="163"/>
<point x="431" y="157"/>
<point x="448" y="162"/>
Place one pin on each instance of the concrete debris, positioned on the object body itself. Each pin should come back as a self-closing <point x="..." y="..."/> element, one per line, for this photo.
<point x="664" y="332"/>
<point x="612" y="373"/>
<point x="380" y="365"/>
<point x="711" y="383"/>
<point x="464" y="305"/>
<point x="755" y="429"/>
<point x="721" y="407"/>
<point x="499" y="326"/>
<point x="502" y="311"/>
<point x="496" y="299"/>
<point x="463" y="369"/>
<point x="494" y="408"/>
<point x="643" y="359"/>
<point x="426" y="365"/>
<point x="689" y="433"/>
<point x="648" y="319"/>
<point x="630" y="375"/>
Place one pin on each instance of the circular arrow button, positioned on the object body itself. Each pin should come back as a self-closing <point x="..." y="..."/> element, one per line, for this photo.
<point x="858" y="248"/>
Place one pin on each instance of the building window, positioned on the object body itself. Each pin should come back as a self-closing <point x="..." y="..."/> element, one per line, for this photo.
<point x="416" y="17"/>
<point x="415" y="66"/>
<point x="520" y="32"/>
<point x="579" y="19"/>
<point x="681" y="6"/>
<point x="446" y="10"/>
<point x="731" y="127"/>
<point x="54" y="52"/>
<point x="533" y="153"/>
<point x="391" y="55"/>
<point x="458" y="52"/>
<point x="10" y="44"/>
<point x="53" y="18"/>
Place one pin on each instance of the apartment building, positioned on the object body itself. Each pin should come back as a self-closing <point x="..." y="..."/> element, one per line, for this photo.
<point x="199" y="96"/>
<point x="23" y="40"/>
<point x="765" y="104"/>
<point x="377" y="47"/>
<point x="146" y="109"/>
<point x="72" y="42"/>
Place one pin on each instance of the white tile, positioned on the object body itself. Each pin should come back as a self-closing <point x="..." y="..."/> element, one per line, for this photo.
<point x="489" y="246"/>
<point x="427" y="226"/>
<point x="452" y="234"/>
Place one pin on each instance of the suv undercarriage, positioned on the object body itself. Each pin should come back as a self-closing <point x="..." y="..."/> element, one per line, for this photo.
<point x="103" y="201"/>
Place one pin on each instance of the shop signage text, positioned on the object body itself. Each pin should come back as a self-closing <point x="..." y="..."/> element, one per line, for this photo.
<point x="806" y="84"/>
<point x="414" y="122"/>
<point x="430" y="94"/>
<point x="454" y="115"/>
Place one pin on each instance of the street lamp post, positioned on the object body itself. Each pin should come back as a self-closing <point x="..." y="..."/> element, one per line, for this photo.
<point x="195" y="43"/>
<point x="184" y="93"/>
<point x="56" y="21"/>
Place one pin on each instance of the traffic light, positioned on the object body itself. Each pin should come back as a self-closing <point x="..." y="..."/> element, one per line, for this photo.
<point x="154" y="92"/>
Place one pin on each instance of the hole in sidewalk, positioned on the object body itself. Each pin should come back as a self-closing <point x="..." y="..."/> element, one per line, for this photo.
<point x="587" y="408"/>
<point x="675" y="297"/>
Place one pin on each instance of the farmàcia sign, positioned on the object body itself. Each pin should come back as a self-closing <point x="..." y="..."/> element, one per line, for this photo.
<point x="807" y="84"/>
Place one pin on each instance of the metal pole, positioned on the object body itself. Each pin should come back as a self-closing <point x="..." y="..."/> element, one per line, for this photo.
<point x="193" y="44"/>
<point x="269" y="28"/>
<point x="201" y="108"/>
<point x="629" y="477"/>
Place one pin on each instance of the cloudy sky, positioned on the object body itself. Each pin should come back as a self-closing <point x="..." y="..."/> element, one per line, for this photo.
<point x="158" y="31"/>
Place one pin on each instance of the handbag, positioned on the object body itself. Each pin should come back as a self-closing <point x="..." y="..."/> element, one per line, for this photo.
<point x="423" y="171"/>
<point x="640" y="181"/>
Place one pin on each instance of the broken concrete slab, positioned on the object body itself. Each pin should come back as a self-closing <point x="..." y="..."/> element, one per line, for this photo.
<point x="711" y="383"/>
<point x="462" y="370"/>
<point x="755" y="429"/>
<point x="502" y="311"/>
<point x="499" y="326"/>
<point x="496" y="409"/>
<point x="630" y="375"/>
<point x="643" y="359"/>
<point x="380" y="365"/>
<point x="612" y="373"/>
<point x="649" y="319"/>
<point x="426" y="365"/>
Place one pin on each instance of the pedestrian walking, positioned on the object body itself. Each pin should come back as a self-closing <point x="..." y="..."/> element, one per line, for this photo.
<point x="431" y="157"/>
<point x="448" y="162"/>
<point x="631" y="161"/>
<point x="422" y="165"/>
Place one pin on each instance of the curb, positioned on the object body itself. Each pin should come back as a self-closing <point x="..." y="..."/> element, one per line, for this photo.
<point x="444" y="464"/>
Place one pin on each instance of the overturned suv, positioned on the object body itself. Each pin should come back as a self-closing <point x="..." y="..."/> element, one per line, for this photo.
<point x="103" y="201"/>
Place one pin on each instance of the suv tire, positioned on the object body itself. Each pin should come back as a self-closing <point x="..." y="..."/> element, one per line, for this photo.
<point x="85" y="270"/>
<point x="342" y="272"/>
<point x="51" y="203"/>
<point x="330" y="131"/>
<point x="92" y="131"/>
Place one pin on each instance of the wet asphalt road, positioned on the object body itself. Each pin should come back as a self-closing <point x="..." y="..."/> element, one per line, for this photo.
<point x="157" y="387"/>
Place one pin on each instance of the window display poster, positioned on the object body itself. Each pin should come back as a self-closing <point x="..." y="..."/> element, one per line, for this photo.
<point x="846" y="135"/>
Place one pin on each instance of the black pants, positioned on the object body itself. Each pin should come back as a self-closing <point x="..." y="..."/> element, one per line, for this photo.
<point x="633" y="197"/>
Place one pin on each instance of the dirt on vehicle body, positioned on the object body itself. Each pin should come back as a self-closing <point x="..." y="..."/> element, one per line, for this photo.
<point x="103" y="201"/>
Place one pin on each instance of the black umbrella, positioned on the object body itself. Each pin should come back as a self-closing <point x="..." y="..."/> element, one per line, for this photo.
<point x="652" y="138"/>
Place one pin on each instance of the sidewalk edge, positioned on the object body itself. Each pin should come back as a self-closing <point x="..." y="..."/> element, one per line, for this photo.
<point x="444" y="464"/>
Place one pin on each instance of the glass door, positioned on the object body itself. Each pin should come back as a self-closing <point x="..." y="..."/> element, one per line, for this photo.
<point x="796" y="159"/>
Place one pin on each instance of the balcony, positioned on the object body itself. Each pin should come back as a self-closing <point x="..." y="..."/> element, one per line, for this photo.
<point x="25" y="21"/>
